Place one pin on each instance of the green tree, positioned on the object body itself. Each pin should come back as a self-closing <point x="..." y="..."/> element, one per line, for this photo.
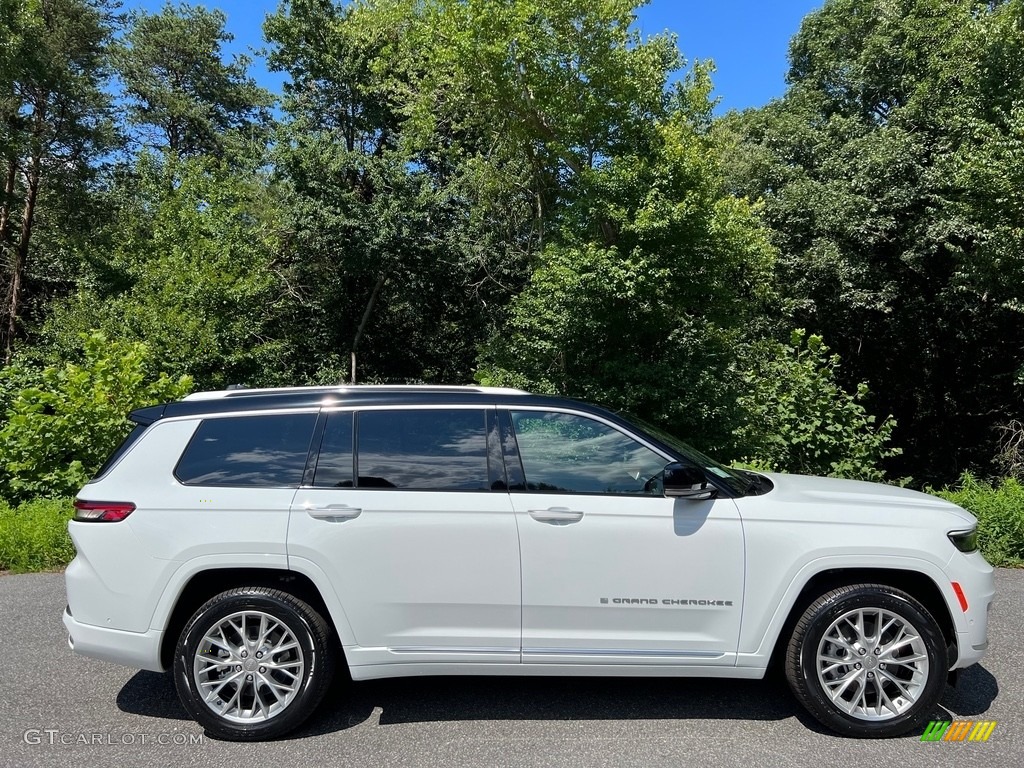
<point x="379" y="256"/>
<point x="181" y="94"/>
<point x="543" y="88"/>
<point x="54" y="127"/>
<point x="886" y="174"/>
<point x="434" y="149"/>
<point x="57" y="433"/>
<point x="652" y="322"/>
<point x="192" y="273"/>
<point x="797" y="418"/>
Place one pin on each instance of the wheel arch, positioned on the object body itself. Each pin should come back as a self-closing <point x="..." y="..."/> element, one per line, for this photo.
<point x="919" y="585"/>
<point x="204" y="584"/>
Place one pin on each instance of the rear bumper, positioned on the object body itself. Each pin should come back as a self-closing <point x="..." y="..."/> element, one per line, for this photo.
<point x="140" y="650"/>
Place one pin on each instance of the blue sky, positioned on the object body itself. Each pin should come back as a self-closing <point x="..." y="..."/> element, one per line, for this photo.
<point x="747" y="39"/>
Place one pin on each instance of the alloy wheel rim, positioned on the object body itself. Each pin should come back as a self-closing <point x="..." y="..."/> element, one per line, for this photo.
<point x="248" y="667"/>
<point x="872" y="664"/>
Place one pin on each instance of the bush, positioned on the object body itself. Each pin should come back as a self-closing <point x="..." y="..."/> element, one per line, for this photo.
<point x="1000" y="512"/>
<point x="34" y="535"/>
<point x="59" y="430"/>
<point x="798" y="419"/>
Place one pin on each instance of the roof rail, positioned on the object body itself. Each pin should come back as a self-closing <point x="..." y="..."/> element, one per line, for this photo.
<point x="240" y="391"/>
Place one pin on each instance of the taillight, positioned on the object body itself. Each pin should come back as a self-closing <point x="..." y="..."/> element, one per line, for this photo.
<point x="102" y="511"/>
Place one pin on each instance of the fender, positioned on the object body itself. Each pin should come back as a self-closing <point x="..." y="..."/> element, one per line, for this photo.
<point x="175" y="584"/>
<point x="757" y="644"/>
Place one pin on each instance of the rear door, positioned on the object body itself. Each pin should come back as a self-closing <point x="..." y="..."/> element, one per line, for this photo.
<point x="406" y="511"/>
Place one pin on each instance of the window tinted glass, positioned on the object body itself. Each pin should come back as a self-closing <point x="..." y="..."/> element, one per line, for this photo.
<point x="737" y="481"/>
<point x="121" y="450"/>
<point x="510" y="456"/>
<point x="334" y="467"/>
<point x="444" y="450"/>
<point x="563" y="452"/>
<point x="267" y="451"/>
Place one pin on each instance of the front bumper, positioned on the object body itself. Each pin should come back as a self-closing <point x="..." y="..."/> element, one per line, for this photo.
<point x="140" y="650"/>
<point x="977" y="579"/>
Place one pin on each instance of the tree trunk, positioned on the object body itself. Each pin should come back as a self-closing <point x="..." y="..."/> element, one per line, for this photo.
<point x="362" y="323"/>
<point x="7" y="202"/>
<point x="21" y="257"/>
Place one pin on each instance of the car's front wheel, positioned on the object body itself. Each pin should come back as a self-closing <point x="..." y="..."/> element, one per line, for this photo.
<point x="868" y="660"/>
<point x="253" y="663"/>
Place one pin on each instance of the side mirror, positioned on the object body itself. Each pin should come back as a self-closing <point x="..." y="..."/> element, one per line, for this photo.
<point x="683" y="481"/>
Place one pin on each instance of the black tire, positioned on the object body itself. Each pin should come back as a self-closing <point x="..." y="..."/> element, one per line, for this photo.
<point x="810" y="690"/>
<point x="311" y="660"/>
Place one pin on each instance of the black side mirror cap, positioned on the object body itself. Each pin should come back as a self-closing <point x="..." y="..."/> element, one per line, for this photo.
<point x="685" y="481"/>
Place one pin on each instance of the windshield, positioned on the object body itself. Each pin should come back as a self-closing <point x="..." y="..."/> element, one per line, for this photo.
<point x="731" y="478"/>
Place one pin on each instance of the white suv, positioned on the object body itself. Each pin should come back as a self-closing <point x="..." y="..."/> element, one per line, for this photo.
<point x="252" y="540"/>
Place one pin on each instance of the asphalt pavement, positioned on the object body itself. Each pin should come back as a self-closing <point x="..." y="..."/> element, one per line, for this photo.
<point x="57" y="709"/>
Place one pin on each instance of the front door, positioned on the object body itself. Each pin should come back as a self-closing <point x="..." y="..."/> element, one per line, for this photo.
<point x="614" y="572"/>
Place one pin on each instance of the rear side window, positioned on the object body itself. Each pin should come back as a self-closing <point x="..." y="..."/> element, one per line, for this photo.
<point x="429" y="450"/>
<point x="334" y="467"/>
<point x="121" y="450"/>
<point x="249" y="451"/>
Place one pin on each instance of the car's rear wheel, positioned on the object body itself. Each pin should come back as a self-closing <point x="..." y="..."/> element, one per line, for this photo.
<point x="868" y="660"/>
<point x="253" y="663"/>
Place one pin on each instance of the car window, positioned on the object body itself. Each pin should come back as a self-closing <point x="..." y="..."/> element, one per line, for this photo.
<point x="574" y="454"/>
<point x="334" y="464"/>
<point x="262" y="451"/>
<point x="121" y="450"/>
<point x="438" y="450"/>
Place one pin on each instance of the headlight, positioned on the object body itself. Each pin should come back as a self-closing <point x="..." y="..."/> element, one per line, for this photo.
<point x="965" y="541"/>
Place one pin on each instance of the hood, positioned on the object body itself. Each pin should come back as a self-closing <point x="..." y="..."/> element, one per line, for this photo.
<point x="831" y="494"/>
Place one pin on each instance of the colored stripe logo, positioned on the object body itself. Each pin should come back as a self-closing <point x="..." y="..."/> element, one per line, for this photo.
<point x="958" y="730"/>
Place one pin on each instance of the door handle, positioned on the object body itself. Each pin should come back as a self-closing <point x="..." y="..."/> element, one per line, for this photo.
<point x="557" y="515"/>
<point x="334" y="512"/>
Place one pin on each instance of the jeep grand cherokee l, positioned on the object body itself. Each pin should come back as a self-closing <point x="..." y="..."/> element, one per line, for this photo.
<point x="253" y="540"/>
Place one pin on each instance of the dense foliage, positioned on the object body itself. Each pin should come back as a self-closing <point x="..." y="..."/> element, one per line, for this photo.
<point x="999" y="508"/>
<point x="801" y="420"/>
<point x="890" y="177"/>
<point x="59" y="429"/>
<point x="523" y="193"/>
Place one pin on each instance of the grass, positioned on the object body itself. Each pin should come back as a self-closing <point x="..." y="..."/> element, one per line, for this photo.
<point x="34" y="535"/>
